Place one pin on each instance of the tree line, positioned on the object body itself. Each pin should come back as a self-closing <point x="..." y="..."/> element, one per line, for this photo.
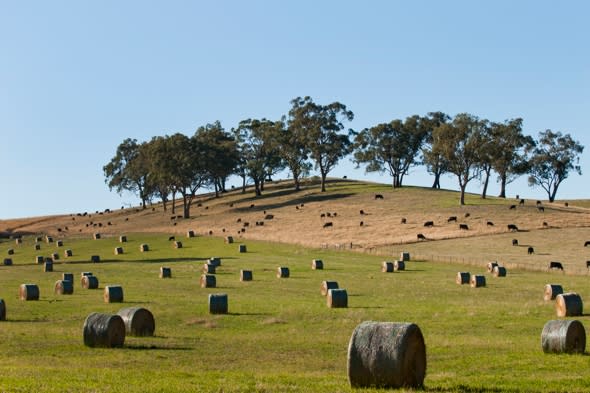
<point x="314" y="136"/>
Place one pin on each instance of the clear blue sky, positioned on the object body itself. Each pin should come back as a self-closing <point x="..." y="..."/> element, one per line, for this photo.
<point x="78" y="77"/>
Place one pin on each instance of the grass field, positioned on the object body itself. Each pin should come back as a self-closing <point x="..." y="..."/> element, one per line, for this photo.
<point x="279" y="335"/>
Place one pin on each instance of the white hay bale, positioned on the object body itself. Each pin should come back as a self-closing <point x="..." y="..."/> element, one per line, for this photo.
<point x="28" y="292"/>
<point x="89" y="282"/>
<point x="283" y="272"/>
<point x="63" y="287"/>
<point x="118" y="250"/>
<point x="387" y="267"/>
<point x="165" y="272"/>
<point x="104" y="330"/>
<point x="113" y="294"/>
<point x="404" y="256"/>
<point x="551" y="291"/>
<point x="563" y="336"/>
<point x="2" y="310"/>
<point x="138" y="321"/>
<point x="386" y="355"/>
<point x="399" y="266"/>
<point x="337" y="298"/>
<point x="245" y="275"/>
<point x="462" y="278"/>
<point x="477" y="281"/>
<point x="208" y="281"/>
<point x="317" y="264"/>
<point x="569" y="305"/>
<point x="218" y="303"/>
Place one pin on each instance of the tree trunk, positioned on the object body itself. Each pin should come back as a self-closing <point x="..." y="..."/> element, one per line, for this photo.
<point x="173" y="202"/>
<point x="257" y="189"/>
<point x="243" y="184"/>
<point x="436" y="183"/>
<point x="502" y="186"/>
<point x="463" y="194"/>
<point x="216" y="188"/>
<point x="323" y="182"/>
<point x="186" y="206"/>
<point x="296" y="182"/>
<point x="484" y="192"/>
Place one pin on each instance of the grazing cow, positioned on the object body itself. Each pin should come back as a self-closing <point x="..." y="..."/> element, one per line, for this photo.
<point x="206" y="207"/>
<point x="199" y="204"/>
<point x="334" y="214"/>
<point x="587" y="243"/>
<point x="171" y="238"/>
<point x="515" y="242"/>
<point x="361" y="224"/>
<point x="243" y="230"/>
<point x="328" y="214"/>
<point x="566" y="204"/>
<point x="512" y="207"/>
<point x="178" y="217"/>
<point x="530" y="250"/>
<point x="322" y="215"/>
<point x="362" y="212"/>
<point x="269" y="217"/>
<point x="127" y="219"/>
<point x="231" y="205"/>
<point x="303" y="204"/>
<point x="545" y="224"/>
<point x="421" y="236"/>
<point x="464" y="227"/>
<point x="521" y="202"/>
<point x="467" y="215"/>
<point x="239" y="220"/>
<point x="109" y="223"/>
<point x="429" y="224"/>
<point x="539" y="203"/>
<point x="251" y="206"/>
<point x="378" y="196"/>
<point x="452" y="218"/>
<point x="328" y="224"/>
<point x="555" y="265"/>
<point x="223" y="230"/>
<point x="296" y="207"/>
<point x="403" y="220"/>
<point x="490" y="223"/>
<point x="59" y="229"/>
<point x="172" y="218"/>
<point x="210" y="233"/>
<point x="512" y="228"/>
<point x="246" y="224"/>
<point x="541" y="209"/>
<point x="587" y="264"/>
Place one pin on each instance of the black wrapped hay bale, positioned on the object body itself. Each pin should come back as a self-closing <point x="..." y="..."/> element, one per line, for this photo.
<point x="551" y="291"/>
<point x="245" y="275"/>
<point x="337" y="298"/>
<point x="10" y="251"/>
<point x="399" y="265"/>
<point x="165" y="272"/>
<point x="28" y="292"/>
<point x="39" y="259"/>
<point x="113" y="294"/>
<point x="68" y="253"/>
<point x="491" y="266"/>
<point x="89" y="282"/>
<point x="95" y="259"/>
<point x="144" y="247"/>
<point x="209" y="268"/>
<point x="7" y="261"/>
<point x="242" y="248"/>
<point x="569" y="305"/>
<point x="317" y="264"/>
<point x="404" y="256"/>
<point x="283" y="272"/>
<point x="55" y="256"/>
<point x="190" y="234"/>
<point x="215" y="261"/>
<point x="67" y="277"/>
<point x="218" y="303"/>
<point x="387" y="267"/>
<point x="563" y="336"/>
<point x="462" y="278"/>
<point x="327" y="285"/>
<point x="477" y="281"/>
<point x="499" y="271"/>
<point x="59" y="243"/>
<point x="37" y="246"/>
<point x="386" y="355"/>
<point x="208" y="281"/>
<point x="177" y="244"/>
<point x="229" y="239"/>
<point x="122" y="239"/>
<point x="104" y="330"/>
<point x="2" y="310"/>
<point x="118" y="250"/>
<point x="48" y="266"/>
<point x="63" y="287"/>
<point x="138" y="321"/>
<point x="96" y="236"/>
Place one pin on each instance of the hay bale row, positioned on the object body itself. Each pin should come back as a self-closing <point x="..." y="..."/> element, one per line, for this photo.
<point x="569" y="305"/>
<point x="104" y="330"/>
<point x="63" y="287"/>
<point x="462" y="278"/>
<point x="28" y="292"/>
<point x="337" y="298"/>
<point x="113" y="294"/>
<point x="317" y="264"/>
<point x="218" y="303"/>
<point x="283" y="272"/>
<point x="551" y="291"/>
<point x="386" y="355"/>
<point x="165" y="272"/>
<point x="563" y="336"/>
<point x="138" y="321"/>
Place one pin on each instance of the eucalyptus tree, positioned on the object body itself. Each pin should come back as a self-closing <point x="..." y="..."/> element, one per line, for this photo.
<point x="294" y="149"/>
<point x="555" y="155"/>
<point x="390" y="147"/>
<point x="434" y="162"/>
<point x="322" y="126"/>
<point x="161" y="170"/>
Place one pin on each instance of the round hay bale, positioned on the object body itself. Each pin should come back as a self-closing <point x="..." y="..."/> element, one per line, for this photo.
<point x="563" y="336"/>
<point x="59" y="243"/>
<point x="28" y="292"/>
<point x="113" y="294"/>
<point x="283" y="272"/>
<point x="404" y="256"/>
<point x="218" y="303"/>
<point x="165" y="272"/>
<point x="337" y="298"/>
<point x="68" y="253"/>
<point x="144" y="247"/>
<point x="386" y="355"/>
<point x="138" y="321"/>
<point x="18" y="240"/>
<point x="39" y="239"/>
<point x="242" y="248"/>
<point x="190" y="234"/>
<point x="10" y="251"/>
<point x="327" y="285"/>
<point x="118" y="250"/>
<point x="7" y="261"/>
<point x="96" y="236"/>
<point x="177" y="244"/>
<point x="39" y="259"/>
<point x="499" y="271"/>
<point x="215" y="261"/>
<point x="55" y="256"/>
<point x="209" y="268"/>
<point x="208" y="281"/>
<point x="48" y="266"/>
<point x="317" y="264"/>
<point x="104" y="330"/>
<point x="95" y="258"/>
<point x="551" y="291"/>
<point x="569" y="305"/>
<point x="491" y="266"/>
<point x="462" y="278"/>
<point x="89" y="282"/>
<point x="387" y="267"/>
<point x="49" y="239"/>
<point x="229" y="239"/>
<point x="2" y="310"/>
<point x="68" y="277"/>
<point x="477" y="281"/>
<point x="122" y="239"/>
<point x="245" y="275"/>
<point x="399" y="265"/>
<point x="37" y="246"/>
<point x="63" y="287"/>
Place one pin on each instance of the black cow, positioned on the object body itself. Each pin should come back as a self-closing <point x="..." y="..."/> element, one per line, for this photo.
<point x="512" y="207"/>
<point x="545" y="224"/>
<point x="555" y="265"/>
<point x="464" y="227"/>
<point x="429" y="224"/>
<point x="530" y="250"/>
<point x="378" y="196"/>
<point x="587" y="243"/>
<point x="246" y="224"/>
<point x="512" y="228"/>
<point x="171" y="238"/>
<point x="539" y="203"/>
<point x="327" y="224"/>
<point x="515" y="242"/>
<point x="239" y="220"/>
<point x="490" y="224"/>
<point x="467" y="215"/>
<point x="252" y="206"/>
<point x="328" y="214"/>
<point x="521" y="202"/>
<point x="421" y="236"/>
<point x="452" y="219"/>
<point x="361" y="224"/>
<point x="269" y="217"/>
<point x="362" y="212"/>
<point x="210" y="233"/>
<point x="322" y="215"/>
<point x="541" y="209"/>
<point x="566" y="204"/>
<point x="403" y="220"/>
<point x="587" y="264"/>
<point x="334" y="214"/>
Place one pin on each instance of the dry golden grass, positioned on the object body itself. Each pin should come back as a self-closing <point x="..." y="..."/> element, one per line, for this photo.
<point x="297" y="220"/>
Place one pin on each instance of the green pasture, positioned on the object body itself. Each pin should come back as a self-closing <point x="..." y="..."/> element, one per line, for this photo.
<point x="279" y="335"/>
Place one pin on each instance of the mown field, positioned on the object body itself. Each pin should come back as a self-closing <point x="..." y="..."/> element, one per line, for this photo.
<point x="279" y="335"/>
